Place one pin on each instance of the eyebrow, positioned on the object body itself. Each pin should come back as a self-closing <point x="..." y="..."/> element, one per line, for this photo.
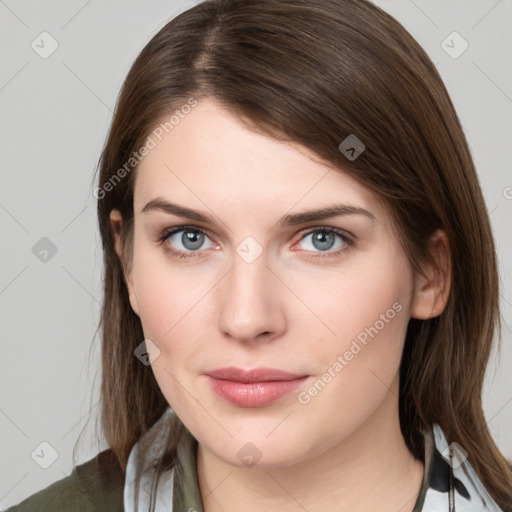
<point x="290" y="219"/>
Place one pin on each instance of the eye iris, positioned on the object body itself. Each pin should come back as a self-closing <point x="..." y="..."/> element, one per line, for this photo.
<point x="192" y="240"/>
<point x="323" y="240"/>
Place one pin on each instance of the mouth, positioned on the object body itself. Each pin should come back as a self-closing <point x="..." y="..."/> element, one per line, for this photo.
<point x="253" y="388"/>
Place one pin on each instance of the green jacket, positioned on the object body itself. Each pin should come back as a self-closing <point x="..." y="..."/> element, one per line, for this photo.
<point x="95" y="486"/>
<point x="98" y="485"/>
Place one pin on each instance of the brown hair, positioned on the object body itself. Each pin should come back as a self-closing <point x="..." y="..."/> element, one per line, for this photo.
<point x="314" y="72"/>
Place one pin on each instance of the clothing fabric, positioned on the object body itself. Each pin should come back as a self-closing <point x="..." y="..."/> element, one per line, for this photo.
<point x="99" y="485"/>
<point x="95" y="486"/>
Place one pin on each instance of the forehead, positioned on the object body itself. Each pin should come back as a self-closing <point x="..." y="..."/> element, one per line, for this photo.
<point x="211" y="159"/>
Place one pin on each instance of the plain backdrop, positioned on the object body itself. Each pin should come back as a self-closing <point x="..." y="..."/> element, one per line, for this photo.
<point x="55" y="112"/>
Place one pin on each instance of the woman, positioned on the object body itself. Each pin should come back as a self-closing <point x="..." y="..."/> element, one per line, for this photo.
<point x="301" y="288"/>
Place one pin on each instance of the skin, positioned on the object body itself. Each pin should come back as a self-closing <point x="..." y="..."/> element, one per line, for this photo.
<point x="288" y="309"/>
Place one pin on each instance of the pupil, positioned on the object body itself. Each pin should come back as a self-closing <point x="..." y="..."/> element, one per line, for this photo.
<point x="192" y="240"/>
<point x="323" y="240"/>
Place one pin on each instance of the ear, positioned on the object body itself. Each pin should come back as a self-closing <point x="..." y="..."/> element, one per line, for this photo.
<point x="432" y="290"/>
<point x="116" y="221"/>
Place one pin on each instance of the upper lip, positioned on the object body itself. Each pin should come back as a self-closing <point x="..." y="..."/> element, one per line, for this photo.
<point x="252" y="375"/>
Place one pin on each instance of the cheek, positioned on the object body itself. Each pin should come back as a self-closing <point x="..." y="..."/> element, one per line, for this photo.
<point x="357" y="367"/>
<point x="166" y="292"/>
<point x="366" y="296"/>
<point x="176" y="315"/>
<point x="168" y="302"/>
<point x="366" y="308"/>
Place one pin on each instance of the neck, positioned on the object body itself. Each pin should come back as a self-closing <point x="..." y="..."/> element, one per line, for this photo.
<point x="365" y="470"/>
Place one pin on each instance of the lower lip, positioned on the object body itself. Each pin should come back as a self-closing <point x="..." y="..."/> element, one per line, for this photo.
<point x="253" y="394"/>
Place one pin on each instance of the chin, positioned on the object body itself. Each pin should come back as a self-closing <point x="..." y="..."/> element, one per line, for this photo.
<point x="254" y="449"/>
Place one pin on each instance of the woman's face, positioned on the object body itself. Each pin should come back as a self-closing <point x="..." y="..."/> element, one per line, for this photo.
<point x="234" y="267"/>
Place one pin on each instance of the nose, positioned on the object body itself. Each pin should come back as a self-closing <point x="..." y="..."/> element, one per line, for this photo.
<point x="251" y="302"/>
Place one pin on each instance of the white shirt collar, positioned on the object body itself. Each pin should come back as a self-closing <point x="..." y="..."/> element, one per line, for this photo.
<point x="165" y="485"/>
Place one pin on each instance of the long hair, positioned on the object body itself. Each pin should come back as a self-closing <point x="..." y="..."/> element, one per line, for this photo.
<point x="315" y="72"/>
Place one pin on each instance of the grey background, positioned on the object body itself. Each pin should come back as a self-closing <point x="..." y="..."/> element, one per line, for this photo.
<point x="55" y="114"/>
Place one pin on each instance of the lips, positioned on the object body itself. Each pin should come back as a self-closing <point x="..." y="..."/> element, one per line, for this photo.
<point x="253" y="388"/>
<point x="254" y="375"/>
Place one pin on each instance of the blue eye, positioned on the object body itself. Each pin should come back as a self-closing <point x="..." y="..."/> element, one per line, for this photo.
<point x="184" y="242"/>
<point x="326" y="240"/>
<point x="190" y="240"/>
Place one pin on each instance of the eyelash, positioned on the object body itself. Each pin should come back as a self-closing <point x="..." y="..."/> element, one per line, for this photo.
<point x="347" y="240"/>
